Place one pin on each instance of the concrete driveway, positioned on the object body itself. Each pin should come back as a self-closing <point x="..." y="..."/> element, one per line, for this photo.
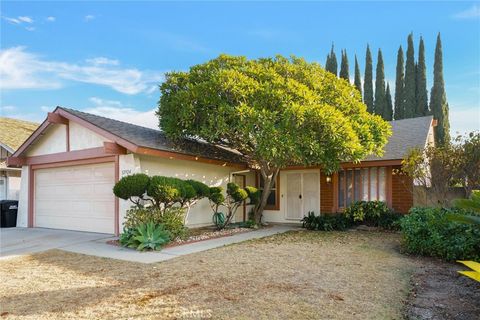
<point x="20" y="241"/>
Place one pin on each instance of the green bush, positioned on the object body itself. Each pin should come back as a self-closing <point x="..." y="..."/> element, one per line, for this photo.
<point x="131" y="187"/>
<point x="146" y="236"/>
<point x="171" y="219"/>
<point x="201" y="189"/>
<point x="429" y="231"/>
<point x="373" y="213"/>
<point x="328" y="222"/>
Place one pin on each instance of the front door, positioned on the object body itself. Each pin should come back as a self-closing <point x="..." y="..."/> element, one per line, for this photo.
<point x="303" y="194"/>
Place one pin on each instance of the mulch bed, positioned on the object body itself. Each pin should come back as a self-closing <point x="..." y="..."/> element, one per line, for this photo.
<point x="198" y="235"/>
<point x="440" y="292"/>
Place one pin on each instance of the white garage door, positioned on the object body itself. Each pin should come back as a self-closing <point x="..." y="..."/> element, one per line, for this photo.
<point x="75" y="198"/>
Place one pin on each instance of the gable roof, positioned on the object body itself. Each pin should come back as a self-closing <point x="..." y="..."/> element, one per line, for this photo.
<point x="14" y="132"/>
<point x="407" y="134"/>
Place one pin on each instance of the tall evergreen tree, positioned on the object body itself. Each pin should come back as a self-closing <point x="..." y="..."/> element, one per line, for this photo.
<point x="388" y="114"/>
<point x="399" y="86"/>
<point x="344" y="72"/>
<point x="421" y="83"/>
<point x="438" y="98"/>
<point x="380" y="104"/>
<point x="331" y="64"/>
<point x="358" y="78"/>
<point x="410" y="87"/>
<point x="368" y="81"/>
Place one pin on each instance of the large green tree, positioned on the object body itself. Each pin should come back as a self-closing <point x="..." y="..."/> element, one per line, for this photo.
<point x="331" y="65"/>
<point x="421" y="83"/>
<point x="358" y="77"/>
<point x="399" y="86"/>
<point x="380" y="104"/>
<point x="368" y="82"/>
<point x="344" y="72"/>
<point x="388" y="113"/>
<point x="276" y="112"/>
<point x="410" y="87"/>
<point x="438" y="98"/>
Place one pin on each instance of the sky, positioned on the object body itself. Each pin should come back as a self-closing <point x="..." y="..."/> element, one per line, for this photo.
<point x="108" y="58"/>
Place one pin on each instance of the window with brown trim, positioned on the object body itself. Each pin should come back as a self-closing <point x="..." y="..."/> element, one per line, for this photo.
<point x="356" y="184"/>
<point x="273" y="201"/>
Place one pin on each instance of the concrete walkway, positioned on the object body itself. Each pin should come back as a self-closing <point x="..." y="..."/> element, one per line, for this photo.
<point x="20" y="241"/>
<point x="101" y="249"/>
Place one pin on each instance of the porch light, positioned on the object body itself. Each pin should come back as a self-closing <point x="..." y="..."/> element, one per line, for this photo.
<point x="329" y="179"/>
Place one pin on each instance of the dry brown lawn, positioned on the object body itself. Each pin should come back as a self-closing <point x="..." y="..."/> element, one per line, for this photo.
<point x="298" y="275"/>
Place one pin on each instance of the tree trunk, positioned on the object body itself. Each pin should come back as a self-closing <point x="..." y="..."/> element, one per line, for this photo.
<point x="269" y="177"/>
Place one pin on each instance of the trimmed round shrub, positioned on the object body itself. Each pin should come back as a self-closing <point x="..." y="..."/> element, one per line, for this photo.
<point x="253" y="194"/>
<point x="216" y="196"/>
<point x="237" y="193"/>
<point x="134" y="185"/>
<point x="430" y="232"/>
<point x="201" y="189"/>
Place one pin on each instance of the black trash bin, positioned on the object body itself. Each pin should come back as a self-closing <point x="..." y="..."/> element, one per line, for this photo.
<point x="8" y="213"/>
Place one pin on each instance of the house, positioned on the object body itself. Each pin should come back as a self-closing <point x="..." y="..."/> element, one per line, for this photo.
<point x="12" y="134"/>
<point x="71" y="162"/>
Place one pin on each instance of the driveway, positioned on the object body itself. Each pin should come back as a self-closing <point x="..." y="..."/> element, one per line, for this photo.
<point x="20" y="241"/>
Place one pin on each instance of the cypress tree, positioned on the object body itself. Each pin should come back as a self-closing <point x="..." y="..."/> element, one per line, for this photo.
<point x="410" y="87"/>
<point x="368" y="82"/>
<point x="331" y="64"/>
<point x="358" y="78"/>
<point x="438" y="98"/>
<point x="380" y="104"/>
<point x="388" y="114"/>
<point x="344" y="72"/>
<point x="399" y="86"/>
<point x="421" y="83"/>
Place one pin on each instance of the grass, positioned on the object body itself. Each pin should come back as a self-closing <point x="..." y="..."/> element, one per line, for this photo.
<point x="301" y="275"/>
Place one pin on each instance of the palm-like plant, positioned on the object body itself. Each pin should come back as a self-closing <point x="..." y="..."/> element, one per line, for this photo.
<point x="147" y="236"/>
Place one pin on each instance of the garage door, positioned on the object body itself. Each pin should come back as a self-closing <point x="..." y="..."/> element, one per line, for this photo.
<point x="75" y="198"/>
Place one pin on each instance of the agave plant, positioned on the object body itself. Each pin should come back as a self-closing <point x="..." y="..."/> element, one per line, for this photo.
<point x="147" y="236"/>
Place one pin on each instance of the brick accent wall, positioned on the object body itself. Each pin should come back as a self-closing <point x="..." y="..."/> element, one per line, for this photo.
<point x="326" y="194"/>
<point x="402" y="196"/>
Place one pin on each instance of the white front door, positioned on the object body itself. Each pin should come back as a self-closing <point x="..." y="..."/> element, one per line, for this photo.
<point x="303" y="194"/>
<point x="3" y="188"/>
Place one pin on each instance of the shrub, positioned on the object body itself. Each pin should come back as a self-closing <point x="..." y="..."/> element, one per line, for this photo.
<point x="368" y="212"/>
<point x="137" y="216"/>
<point x="327" y="222"/>
<point x="429" y="231"/>
<point x="146" y="236"/>
<point x="132" y="187"/>
<point x="201" y="189"/>
<point x="171" y="219"/>
<point x="253" y="194"/>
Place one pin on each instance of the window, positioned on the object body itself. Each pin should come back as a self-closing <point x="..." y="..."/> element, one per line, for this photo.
<point x="273" y="202"/>
<point x="358" y="184"/>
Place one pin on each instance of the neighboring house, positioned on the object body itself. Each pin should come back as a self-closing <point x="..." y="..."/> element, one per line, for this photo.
<point x="12" y="134"/>
<point x="72" y="161"/>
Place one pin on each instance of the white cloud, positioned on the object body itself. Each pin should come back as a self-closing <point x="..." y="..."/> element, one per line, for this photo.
<point x="7" y="109"/>
<point x="464" y="120"/>
<point x="25" y="19"/>
<point x="12" y="20"/>
<point x="470" y="13"/>
<point x="116" y="110"/>
<point x="50" y="19"/>
<point x="103" y="61"/>
<point x="30" y="28"/>
<point x="89" y="17"/>
<point x="20" y="69"/>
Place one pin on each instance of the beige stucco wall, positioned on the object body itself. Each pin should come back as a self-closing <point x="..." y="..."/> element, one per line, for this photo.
<point x="83" y="138"/>
<point x="212" y="175"/>
<point x="53" y="141"/>
<point x="22" y="215"/>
